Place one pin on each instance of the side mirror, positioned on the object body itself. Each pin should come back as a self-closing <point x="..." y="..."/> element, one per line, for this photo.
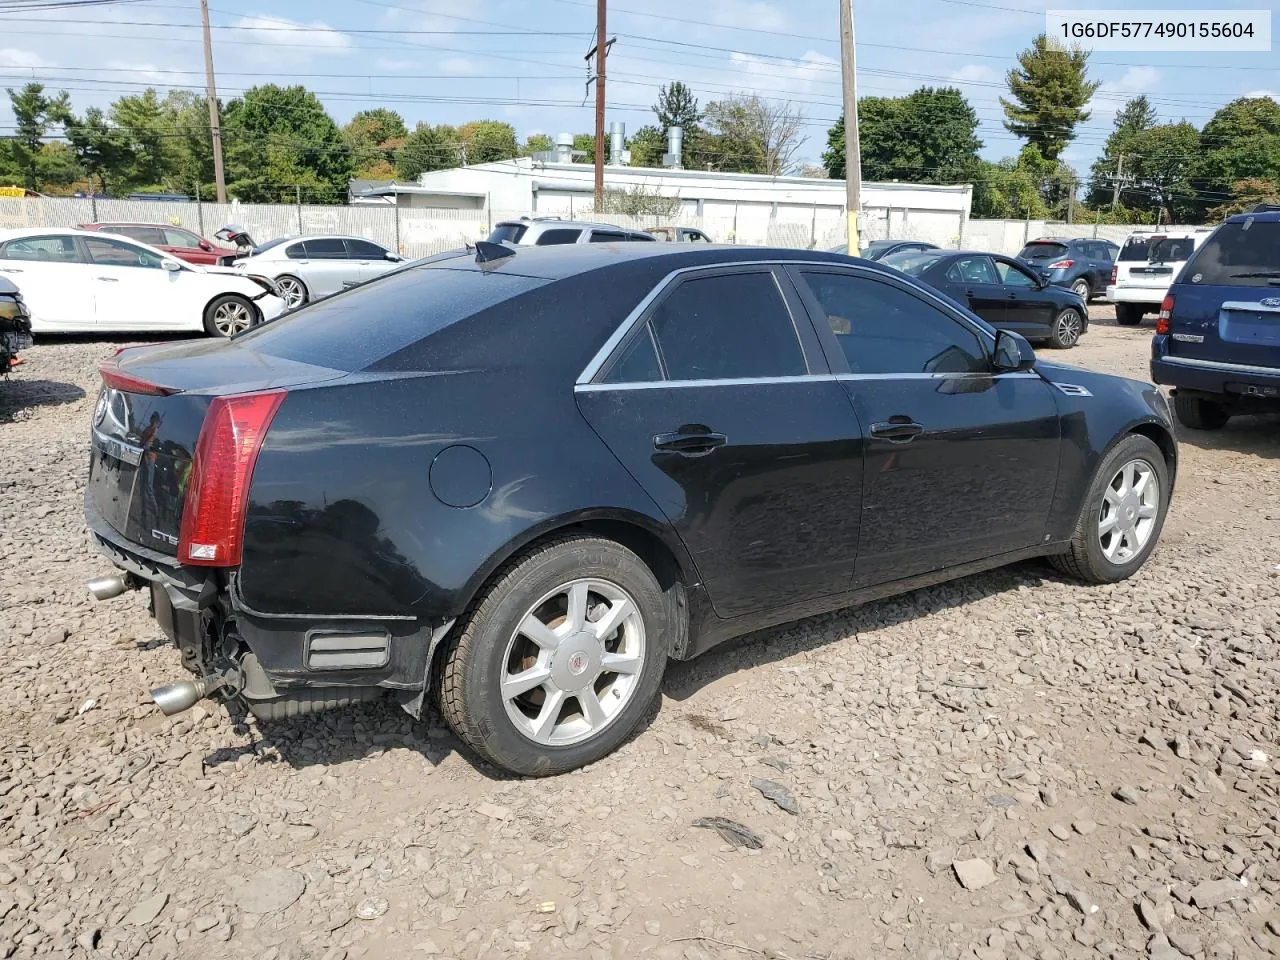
<point x="1013" y="353"/>
<point x="206" y="245"/>
<point x="173" y="266"/>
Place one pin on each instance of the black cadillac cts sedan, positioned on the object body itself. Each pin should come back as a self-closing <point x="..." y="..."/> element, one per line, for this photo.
<point x="518" y="482"/>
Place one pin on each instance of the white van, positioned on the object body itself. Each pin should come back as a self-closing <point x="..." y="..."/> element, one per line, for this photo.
<point x="1147" y="264"/>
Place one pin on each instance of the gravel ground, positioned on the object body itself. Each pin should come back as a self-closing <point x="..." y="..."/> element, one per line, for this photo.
<point x="1010" y="765"/>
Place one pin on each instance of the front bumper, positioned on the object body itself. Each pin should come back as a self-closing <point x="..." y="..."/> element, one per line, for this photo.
<point x="1215" y="377"/>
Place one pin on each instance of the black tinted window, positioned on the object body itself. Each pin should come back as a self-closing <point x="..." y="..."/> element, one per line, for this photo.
<point x="884" y="329"/>
<point x="296" y="252"/>
<point x="1135" y="248"/>
<point x="718" y="328"/>
<point x="151" y="235"/>
<point x="508" y="233"/>
<point x="1011" y="276"/>
<point x="1172" y="248"/>
<point x="912" y="262"/>
<point x="972" y="270"/>
<point x="392" y="313"/>
<point x="605" y="236"/>
<point x="1245" y="254"/>
<point x="1043" y="251"/>
<point x="364" y="250"/>
<point x="326" y="249"/>
<point x="638" y="363"/>
<point x="551" y="237"/>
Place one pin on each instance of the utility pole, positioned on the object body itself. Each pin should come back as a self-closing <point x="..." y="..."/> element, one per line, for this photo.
<point x="1071" y="200"/>
<point x="215" y="128"/>
<point x="1115" y="189"/>
<point x="602" y="49"/>
<point x="852" y="150"/>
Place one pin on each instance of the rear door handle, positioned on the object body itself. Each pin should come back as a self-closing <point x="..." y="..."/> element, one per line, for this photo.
<point x="10" y="269"/>
<point x="689" y="444"/>
<point x="109" y="279"/>
<point x="896" y="432"/>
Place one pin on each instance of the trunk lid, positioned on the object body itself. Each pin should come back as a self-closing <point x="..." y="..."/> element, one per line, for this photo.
<point x="143" y="441"/>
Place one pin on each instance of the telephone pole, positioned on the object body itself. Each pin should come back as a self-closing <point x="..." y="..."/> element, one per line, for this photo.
<point x="852" y="150"/>
<point x="215" y="128"/>
<point x="600" y="51"/>
<point x="1115" y="189"/>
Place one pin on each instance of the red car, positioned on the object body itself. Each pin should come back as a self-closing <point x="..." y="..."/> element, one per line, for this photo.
<point x="179" y="241"/>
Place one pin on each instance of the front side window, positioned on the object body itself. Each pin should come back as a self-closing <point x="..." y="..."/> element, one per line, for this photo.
<point x="114" y="253"/>
<point x="554" y="237"/>
<point x="56" y="249"/>
<point x="883" y="329"/>
<point x="365" y="250"/>
<point x="972" y="270"/>
<point x="1011" y="276"/>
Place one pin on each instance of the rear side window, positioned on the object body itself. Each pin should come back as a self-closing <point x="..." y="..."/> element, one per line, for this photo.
<point x="911" y="262"/>
<point x="883" y="329"/>
<point x="150" y="235"/>
<point x="331" y="248"/>
<point x="553" y="237"/>
<point x="726" y="327"/>
<point x="57" y="249"/>
<point x="1043" y="251"/>
<point x="972" y="270"/>
<point x="392" y="313"/>
<point x="1245" y="254"/>
<point x="1135" y="248"/>
<point x="605" y="236"/>
<point x="296" y="252"/>
<point x="507" y="233"/>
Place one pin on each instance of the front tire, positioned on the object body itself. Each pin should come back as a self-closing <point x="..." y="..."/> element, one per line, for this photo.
<point x="1128" y="314"/>
<point x="559" y="659"/>
<point x="1122" y="514"/>
<point x="1082" y="289"/>
<point x="1199" y="413"/>
<point x="228" y="315"/>
<point x="1067" y="327"/>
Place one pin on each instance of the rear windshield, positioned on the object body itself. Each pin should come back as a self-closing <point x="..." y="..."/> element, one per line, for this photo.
<point x="1171" y="249"/>
<point x="1043" y="251"/>
<point x="359" y="327"/>
<point x="911" y="262"/>
<point x="1135" y="248"/>
<point x="269" y="244"/>
<point x="507" y="233"/>
<point x="1245" y="254"/>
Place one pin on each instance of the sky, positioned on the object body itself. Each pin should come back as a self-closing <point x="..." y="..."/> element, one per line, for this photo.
<point x="522" y="61"/>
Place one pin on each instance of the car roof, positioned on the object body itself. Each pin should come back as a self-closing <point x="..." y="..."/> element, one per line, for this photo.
<point x="560" y="261"/>
<point x="556" y="223"/>
<point x="20" y="232"/>
<point x="1266" y="216"/>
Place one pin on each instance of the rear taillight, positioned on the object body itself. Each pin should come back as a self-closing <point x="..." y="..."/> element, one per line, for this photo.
<point x="117" y="379"/>
<point x="1166" y="311"/>
<point x="1114" y="272"/>
<point x="212" y="531"/>
<point x="1062" y="265"/>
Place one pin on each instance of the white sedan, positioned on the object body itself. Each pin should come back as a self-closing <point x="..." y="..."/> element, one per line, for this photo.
<point x="80" y="281"/>
<point x="308" y="268"/>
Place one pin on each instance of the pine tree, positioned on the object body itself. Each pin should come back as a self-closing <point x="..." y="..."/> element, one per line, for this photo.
<point x="1049" y="90"/>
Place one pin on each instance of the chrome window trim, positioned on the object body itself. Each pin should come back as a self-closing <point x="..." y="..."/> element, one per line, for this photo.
<point x="806" y="378"/>
<point x="597" y="362"/>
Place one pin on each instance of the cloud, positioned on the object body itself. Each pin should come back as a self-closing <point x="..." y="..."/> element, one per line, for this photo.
<point x="457" y="65"/>
<point x="12" y="57"/>
<point x="281" y="32"/>
<point x="1252" y="93"/>
<point x="395" y="66"/>
<point x="974" y="73"/>
<point x="785" y="76"/>
<point x="1112" y="95"/>
<point x="149" y="73"/>
<point x="757" y="15"/>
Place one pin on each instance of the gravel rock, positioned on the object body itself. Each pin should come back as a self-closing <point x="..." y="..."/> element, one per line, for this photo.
<point x="973" y="874"/>
<point x="1213" y="892"/>
<point x="270" y="891"/>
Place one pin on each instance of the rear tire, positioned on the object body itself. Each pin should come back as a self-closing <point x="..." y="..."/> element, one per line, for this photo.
<point x="292" y="290"/>
<point x="538" y="698"/>
<point x="228" y="315"/>
<point x="1198" y="413"/>
<point x="1067" y="327"/>
<point x="1128" y="314"/>
<point x="1095" y="555"/>
<point x="1082" y="289"/>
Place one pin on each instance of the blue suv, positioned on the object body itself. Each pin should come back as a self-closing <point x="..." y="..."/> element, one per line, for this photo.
<point x="1217" y="339"/>
<point x="1083" y="264"/>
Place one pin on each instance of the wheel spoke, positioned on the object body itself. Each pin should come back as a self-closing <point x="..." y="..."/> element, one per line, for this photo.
<point x="1112" y="496"/>
<point x="1126" y="485"/>
<point x="1140" y="482"/>
<point x="576" y="614"/>
<point x="1107" y="524"/>
<point x="539" y="633"/>
<point x="1147" y="511"/>
<point x="545" y="722"/>
<point x="592" y="709"/>
<point x="606" y="625"/>
<point x="524" y="681"/>
<point x="619" y="663"/>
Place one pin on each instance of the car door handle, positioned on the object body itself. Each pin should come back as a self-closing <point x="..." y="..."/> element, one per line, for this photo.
<point x="896" y="431"/>
<point x="10" y="269"/>
<point x="109" y="279"/>
<point x="689" y="444"/>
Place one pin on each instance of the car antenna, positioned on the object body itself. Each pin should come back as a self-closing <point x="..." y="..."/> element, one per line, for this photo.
<point x="487" y="252"/>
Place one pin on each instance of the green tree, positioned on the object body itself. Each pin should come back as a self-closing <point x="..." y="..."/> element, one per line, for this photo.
<point x="748" y="134"/>
<point x="647" y="145"/>
<point x="1159" y="177"/>
<point x="427" y="148"/>
<point x="34" y="114"/>
<point x="1134" y="117"/>
<point x="1240" y="142"/>
<point x="928" y="136"/>
<point x="1245" y="194"/>
<point x="99" y="149"/>
<point x="1011" y="188"/>
<point x="537" y="143"/>
<point x="584" y="144"/>
<point x="1049" y="90"/>
<point x="374" y="136"/>
<point x="142" y="129"/>
<point x="280" y="142"/>
<point x="485" y="141"/>
<point x="189" y="168"/>
<point x="677" y="107"/>
<point x="57" y="167"/>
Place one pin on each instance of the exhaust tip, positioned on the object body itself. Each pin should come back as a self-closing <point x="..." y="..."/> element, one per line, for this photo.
<point x="174" y="698"/>
<point x="112" y="585"/>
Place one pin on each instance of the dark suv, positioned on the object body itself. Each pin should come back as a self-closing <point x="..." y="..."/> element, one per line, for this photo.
<point x="1217" y="339"/>
<point x="1082" y="264"/>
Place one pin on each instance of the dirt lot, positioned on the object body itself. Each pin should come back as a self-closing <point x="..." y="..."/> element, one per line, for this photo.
<point x="1097" y="765"/>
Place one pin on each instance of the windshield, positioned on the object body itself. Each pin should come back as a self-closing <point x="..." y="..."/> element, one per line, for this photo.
<point x="1135" y="248"/>
<point x="507" y="233"/>
<point x="1245" y="254"/>
<point x="390" y="313"/>
<point x="911" y="262"/>
<point x="1042" y="251"/>
<point x="1167" y="249"/>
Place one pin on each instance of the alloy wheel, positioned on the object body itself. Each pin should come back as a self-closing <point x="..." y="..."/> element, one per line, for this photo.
<point x="573" y="662"/>
<point x="291" y="291"/>
<point x="1081" y="288"/>
<point x="1130" y="507"/>
<point x="1069" y="327"/>
<point x="231" y="318"/>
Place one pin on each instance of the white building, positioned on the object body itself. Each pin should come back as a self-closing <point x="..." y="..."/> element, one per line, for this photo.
<point x="746" y="208"/>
